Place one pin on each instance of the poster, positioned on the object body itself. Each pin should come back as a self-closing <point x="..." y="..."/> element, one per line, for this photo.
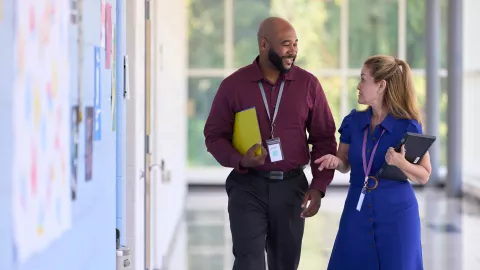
<point x="41" y="193"/>
<point x="102" y="24"/>
<point x="97" y="95"/>
<point x="108" y="39"/>
<point x="73" y="12"/>
<point x="74" y="151"/>
<point x="89" y="115"/>
<point x="114" y="80"/>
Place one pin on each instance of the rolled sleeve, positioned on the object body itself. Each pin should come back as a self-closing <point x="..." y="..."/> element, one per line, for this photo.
<point x="218" y="131"/>
<point x="321" y="129"/>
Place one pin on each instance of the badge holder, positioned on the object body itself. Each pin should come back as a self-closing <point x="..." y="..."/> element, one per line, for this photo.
<point x="275" y="149"/>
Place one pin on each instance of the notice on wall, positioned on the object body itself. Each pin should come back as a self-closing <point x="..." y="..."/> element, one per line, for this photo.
<point x="102" y="24"/>
<point x="108" y="32"/>
<point x="41" y="191"/>
<point x="89" y="118"/>
<point x="97" y="95"/>
<point x="74" y="140"/>
<point x="114" y="80"/>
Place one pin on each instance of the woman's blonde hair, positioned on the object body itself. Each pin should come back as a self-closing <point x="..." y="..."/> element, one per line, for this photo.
<point x="399" y="98"/>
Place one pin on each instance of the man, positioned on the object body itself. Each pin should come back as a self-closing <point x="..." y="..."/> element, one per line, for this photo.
<point x="267" y="201"/>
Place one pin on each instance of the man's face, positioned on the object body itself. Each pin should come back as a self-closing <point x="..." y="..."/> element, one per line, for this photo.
<point x="282" y="50"/>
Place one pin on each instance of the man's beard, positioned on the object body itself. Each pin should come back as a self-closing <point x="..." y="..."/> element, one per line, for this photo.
<point x="277" y="61"/>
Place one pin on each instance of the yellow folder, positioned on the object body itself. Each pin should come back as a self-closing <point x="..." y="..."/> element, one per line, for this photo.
<point x="246" y="131"/>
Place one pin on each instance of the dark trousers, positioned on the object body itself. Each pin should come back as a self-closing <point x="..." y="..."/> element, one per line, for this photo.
<point x="265" y="216"/>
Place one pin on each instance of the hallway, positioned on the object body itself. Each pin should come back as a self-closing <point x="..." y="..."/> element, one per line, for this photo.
<point x="451" y="231"/>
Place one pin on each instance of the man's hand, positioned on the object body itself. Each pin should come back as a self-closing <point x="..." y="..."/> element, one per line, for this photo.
<point x="250" y="160"/>
<point x="315" y="198"/>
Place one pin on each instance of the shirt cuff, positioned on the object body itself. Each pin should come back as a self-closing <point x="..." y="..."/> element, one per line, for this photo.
<point x="319" y="185"/>
<point x="235" y="160"/>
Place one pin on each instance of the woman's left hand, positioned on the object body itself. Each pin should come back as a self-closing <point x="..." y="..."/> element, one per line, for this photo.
<point x="393" y="158"/>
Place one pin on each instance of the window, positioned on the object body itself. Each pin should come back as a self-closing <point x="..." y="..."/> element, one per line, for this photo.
<point x="201" y="92"/>
<point x="205" y="34"/>
<point x="223" y="38"/>
<point x="373" y="29"/>
<point x="416" y="33"/>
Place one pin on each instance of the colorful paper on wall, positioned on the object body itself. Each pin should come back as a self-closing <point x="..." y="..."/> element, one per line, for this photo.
<point x="41" y="193"/>
<point x="89" y="115"/>
<point x="102" y="24"/>
<point x="114" y="80"/>
<point x="108" y="39"/>
<point x="97" y="96"/>
<point x="74" y="151"/>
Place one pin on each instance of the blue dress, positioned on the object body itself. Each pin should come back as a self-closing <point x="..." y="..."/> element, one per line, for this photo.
<point x="385" y="233"/>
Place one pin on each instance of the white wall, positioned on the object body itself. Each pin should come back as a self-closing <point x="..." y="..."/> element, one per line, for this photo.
<point x="471" y="97"/>
<point x="169" y="128"/>
<point x="135" y="39"/>
<point x="169" y="122"/>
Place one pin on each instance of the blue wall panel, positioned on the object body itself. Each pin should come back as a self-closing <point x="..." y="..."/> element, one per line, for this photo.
<point x="90" y="243"/>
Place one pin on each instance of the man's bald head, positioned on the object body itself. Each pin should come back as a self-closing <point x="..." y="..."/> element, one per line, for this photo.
<point x="272" y="27"/>
<point x="277" y="44"/>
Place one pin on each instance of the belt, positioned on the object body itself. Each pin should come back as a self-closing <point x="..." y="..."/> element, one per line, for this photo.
<point x="277" y="175"/>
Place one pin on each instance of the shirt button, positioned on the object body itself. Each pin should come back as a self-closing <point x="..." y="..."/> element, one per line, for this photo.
<point x="368" y="150"/>
<point x="373" y="138"/>
<point x="371" y="232"/>
<point x="370" y="219"/>
<point x="373" y="246"/>
<point x="369" y="205"/>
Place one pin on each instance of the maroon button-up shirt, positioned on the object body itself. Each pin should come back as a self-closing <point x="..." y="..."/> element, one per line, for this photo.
<point x="303" y="108"/>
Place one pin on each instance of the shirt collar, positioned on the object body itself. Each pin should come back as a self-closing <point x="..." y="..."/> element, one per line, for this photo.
<point x="257" y="75"/>
<point x="388" y="123"/>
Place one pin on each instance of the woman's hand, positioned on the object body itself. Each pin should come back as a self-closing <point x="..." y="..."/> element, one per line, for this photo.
<point x="395" y="159"/>
<point x="328" y="162"/>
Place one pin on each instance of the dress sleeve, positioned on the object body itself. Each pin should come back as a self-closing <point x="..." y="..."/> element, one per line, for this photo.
<point x="345" y="128"/>
<point x="415" y="127"/>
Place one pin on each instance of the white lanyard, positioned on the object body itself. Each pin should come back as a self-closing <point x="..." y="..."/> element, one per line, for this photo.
<point x="272" y="120"/>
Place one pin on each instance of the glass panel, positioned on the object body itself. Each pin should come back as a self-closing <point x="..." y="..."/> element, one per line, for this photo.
<point x="207" y="261"/>
<point x="318" y="30"/>
<point x="206" y="33"/>
<point x="208" y="236"/>
<point x="421" y="90"/>
<point x="201" y="92"/>
<point x="248" y="14"/>
<point x="198" y="216"/>
<point x="372" y="29"/>
<point x="317" y="24"/>
<point x="332" y="87"/>
<point x="443" y="121"/>
<point x="417" y="34"/>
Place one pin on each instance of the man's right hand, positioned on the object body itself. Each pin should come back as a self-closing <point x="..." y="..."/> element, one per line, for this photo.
<point x="250" y="160"/>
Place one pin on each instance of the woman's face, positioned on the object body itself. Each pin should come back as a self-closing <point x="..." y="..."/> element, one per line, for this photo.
<point x="369" y="92"/>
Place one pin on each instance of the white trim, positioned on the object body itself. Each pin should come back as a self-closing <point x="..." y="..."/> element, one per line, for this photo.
<point x="344" y="56"/>
<point x="317" y="72"/>
<point x="217" y="176"/>
<point x="402" y="29"/>
<point x="228" y="32"/>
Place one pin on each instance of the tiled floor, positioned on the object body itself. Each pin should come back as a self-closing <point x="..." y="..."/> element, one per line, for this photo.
<point x="451" y="231"/>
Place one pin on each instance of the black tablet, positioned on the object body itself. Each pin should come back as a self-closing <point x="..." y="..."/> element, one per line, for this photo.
<point x="416" y="146"/>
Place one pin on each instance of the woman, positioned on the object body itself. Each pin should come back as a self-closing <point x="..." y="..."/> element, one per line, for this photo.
<point x="385" y="232"/>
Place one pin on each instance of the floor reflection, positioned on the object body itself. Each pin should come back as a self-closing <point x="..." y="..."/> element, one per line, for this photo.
<point x="451" y="231"/>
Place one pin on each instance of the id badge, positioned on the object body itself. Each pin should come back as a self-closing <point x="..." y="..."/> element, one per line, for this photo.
<point x="275" y="149"/>
<point x="360" y="200"/>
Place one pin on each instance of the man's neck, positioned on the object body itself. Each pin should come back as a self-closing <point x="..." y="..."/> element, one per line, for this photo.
<point x="269" y="72"/>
